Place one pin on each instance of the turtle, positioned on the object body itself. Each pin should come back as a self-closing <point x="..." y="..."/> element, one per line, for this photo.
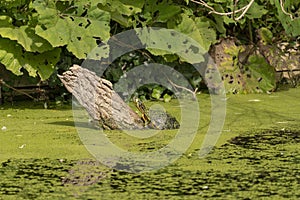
<point x="154" y="118"/>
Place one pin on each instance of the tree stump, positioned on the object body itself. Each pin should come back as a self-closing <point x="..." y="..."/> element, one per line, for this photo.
<point x="99" y="99"/>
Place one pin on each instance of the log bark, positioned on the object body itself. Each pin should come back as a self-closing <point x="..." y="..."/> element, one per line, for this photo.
<point x="99" y="99"/>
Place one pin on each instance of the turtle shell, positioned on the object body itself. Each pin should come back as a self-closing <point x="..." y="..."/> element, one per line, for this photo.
<point x="163" y="120"/>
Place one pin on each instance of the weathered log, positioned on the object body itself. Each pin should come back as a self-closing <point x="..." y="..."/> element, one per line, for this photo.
<point x="99" y="99"/>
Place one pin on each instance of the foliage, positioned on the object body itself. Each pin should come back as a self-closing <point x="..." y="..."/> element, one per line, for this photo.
<point x="244" y="75"/>
<point x="32" y="33"/>
<point x="36" y="34"/>
<point x="291" y="22"/>
<point x="262" y="72"/>
<point x="120" y="73"/>
<point x="76" y="24"/>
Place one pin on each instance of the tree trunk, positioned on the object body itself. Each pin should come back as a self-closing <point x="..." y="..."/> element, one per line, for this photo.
<point x="99" y="99"/>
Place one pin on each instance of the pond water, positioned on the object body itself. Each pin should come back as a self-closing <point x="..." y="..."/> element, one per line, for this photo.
<point x="251" y="166"/>
<point x="256" y="157"/>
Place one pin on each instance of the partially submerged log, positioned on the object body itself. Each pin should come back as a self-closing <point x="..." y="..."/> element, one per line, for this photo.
<point x="99" y="99"/>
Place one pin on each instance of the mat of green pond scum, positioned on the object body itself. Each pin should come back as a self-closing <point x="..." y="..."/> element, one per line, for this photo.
<point x="260" y="165"/>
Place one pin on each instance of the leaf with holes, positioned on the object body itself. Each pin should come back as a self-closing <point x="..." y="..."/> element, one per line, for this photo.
<point x="122" y="11"/>
<point x="79" y="32"/>
<point x="165" y="42"/>
<point x="161" y="11"/>
<point x="26" y="37"/>
<point x="262" y="72"/>
<point x="198" y="29"/>
<point x="42" y="64"/>
<point x="236" y="77"/>
<point x="13" y="57"/>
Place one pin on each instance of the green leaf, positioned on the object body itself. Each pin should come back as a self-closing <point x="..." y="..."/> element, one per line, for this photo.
<point x="291" y="26"/>
<point x="199" y="29"/>
<point x="221" y="1"/>
<point x="196" y="81"/>
<point x="5" y="21"/>
<point x="13" y="58"/>
<point x="165" y="41"/>
<point x="122" y="10"/>
<point x="156" y="92"/>
<point x="124" y="7"/>
<point x="50" y="26"/>
<point x="26" y="37"/>
<point x="208" y="34"/>
<point x="263" y="72"/>
<point x="219" y="20"/>
<point x="79" y="33"/>
<point x="42" y="64"/>
<point x="265" y="35"/>
<point x="256" y="11"/>
<point x="8" y="4"/>
<point x="257" y="76"/>
<point x="228" y="20"/>
<point x="10" y="55"/>
<point x="161" y="11"/>
<point x="167" y="98"/>
<point x="121" y="19"/>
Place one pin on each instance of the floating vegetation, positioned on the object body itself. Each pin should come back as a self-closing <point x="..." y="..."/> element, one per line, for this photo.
<point x="250" y="166"/>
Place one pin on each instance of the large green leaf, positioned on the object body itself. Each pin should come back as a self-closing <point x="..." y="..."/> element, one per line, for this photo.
<point x="79" y="32"/>
<point x="43" y="64"/>
<point x="256" y="11"/>
<point x="262" y="72"/>
<point x="291" y="26"/>
<point x="166" y="41"/>
<point x="51" y="26"/>
<point x="122" y="10"/>
<point x="256" y="76"/>
<point x="10" y="55"/>
<point x="26" y="37"/>
<point x="234" y="80"/>
<point x="14" y="59"/>
<point x="161" y="11"/>
<point x="199" y="29"/>
<point x="124" y="7"/>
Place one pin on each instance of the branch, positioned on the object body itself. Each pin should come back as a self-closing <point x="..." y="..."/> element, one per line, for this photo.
<point x="19" y="91"/>
<point x="213" y="11"/>
<point x="186" y="89"/>
<point x="282" y="8"/>
<point x="245" y="11"/>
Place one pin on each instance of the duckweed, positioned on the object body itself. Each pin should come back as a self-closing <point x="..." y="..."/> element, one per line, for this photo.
<point x="257" y="156"/>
